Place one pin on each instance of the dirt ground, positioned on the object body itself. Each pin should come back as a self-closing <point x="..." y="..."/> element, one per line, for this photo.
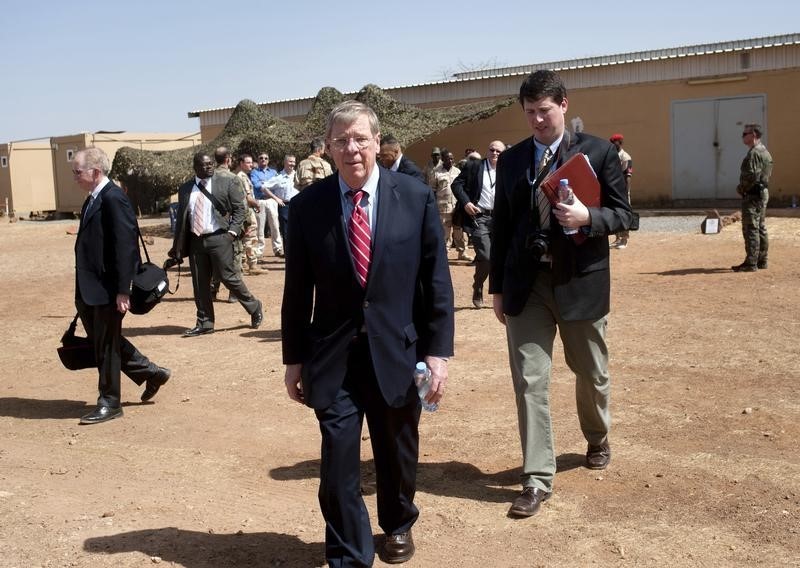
<point x="221" y="469"/>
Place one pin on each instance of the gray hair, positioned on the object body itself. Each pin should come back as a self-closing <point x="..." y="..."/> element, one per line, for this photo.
<point x="348" y="112"/>
<point x="94" y="158"/>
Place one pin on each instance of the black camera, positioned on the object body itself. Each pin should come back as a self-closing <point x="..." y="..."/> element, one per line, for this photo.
<point x="170" y="262"/>
<point x="538" y="243"/>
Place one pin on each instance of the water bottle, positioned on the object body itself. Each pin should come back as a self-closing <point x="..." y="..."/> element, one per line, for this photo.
<point x="422" y="378"/>
<point x="565" y="195"/>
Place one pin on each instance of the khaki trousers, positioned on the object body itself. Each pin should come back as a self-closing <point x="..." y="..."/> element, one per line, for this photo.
<point x="530" y="346"/>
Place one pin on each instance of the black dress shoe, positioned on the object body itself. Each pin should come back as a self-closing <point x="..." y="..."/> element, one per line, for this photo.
<point x="762" y="264"/>
<point x="398" y="548"/>
<point x="101" y="414"/>
<point x="744" y="267"/>
<point x="528" y="502"/>
<point x="257" y="317"/>
<point x="597" y="457"/>
<point x="197" y="330"/>
<point x="154" y="383"/>
<point x="477" y="297"/>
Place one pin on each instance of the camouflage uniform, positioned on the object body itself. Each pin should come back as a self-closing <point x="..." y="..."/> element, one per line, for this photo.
<point x="249" y="239"/>
<point x="446" y="203"/>
<point x="753" y="181"/>
<point x="310" y="170"/>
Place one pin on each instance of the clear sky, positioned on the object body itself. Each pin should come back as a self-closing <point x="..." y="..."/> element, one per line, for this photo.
<point x="141" y="65"/>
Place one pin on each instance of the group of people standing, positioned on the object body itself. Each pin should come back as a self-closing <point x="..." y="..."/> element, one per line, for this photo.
<point x="368" y="293"/>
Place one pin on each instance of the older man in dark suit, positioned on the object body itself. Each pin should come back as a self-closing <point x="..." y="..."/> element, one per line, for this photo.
<point x="543" y="280"/>
<point x="367" y="294"/>
<point x="106" y="259"/>
<point x="211" y="211"/>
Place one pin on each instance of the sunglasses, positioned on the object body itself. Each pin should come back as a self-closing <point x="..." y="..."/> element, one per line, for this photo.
<point x="745" y="134"/>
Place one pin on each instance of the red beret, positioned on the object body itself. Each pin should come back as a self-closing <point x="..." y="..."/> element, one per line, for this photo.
<point x="616" y="138"/>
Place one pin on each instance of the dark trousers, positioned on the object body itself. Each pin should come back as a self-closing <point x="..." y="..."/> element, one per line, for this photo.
<point x="213" y="255"/>
<point x="395" y="446"/>
<point x="283" y="222"/>
<point x="114" y="353"/>
<point x="481" y="242"/>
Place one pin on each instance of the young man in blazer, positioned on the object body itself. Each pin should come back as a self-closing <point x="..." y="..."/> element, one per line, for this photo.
<point x="205" y="231"/>
<point x="367" y="295"/>
<point x="106" y="259"/>
<point x="543" y="280"/>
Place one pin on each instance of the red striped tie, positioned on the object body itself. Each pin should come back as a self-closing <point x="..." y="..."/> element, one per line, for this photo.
<point x="359" y="235"/>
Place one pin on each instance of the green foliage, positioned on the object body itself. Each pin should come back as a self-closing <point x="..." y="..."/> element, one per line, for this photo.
<point x="150" y="177"/>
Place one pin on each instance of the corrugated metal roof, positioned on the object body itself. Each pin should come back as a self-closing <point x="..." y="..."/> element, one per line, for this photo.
<point x="638" y="56"/>
<point x="573" y="64"/>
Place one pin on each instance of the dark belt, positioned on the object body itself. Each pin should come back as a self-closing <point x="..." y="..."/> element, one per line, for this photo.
<point x="217" y="232"/>
<point x="486" y="211"/>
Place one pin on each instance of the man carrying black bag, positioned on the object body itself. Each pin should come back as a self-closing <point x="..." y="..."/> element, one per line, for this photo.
<point x="106" y="259"/>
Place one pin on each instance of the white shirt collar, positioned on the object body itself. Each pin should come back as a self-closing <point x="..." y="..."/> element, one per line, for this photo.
<point x="553" y="147"/>
<point x="96" y="190"/>
<point x="397" y="163"/>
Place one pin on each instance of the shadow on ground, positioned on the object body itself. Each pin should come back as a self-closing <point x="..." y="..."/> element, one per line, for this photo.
<point x="194" y="549"/>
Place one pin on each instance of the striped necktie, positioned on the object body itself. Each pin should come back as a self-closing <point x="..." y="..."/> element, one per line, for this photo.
<point x="199" y="214"/>
<point x="359" y="235"/>
<point x="541" y="198"/>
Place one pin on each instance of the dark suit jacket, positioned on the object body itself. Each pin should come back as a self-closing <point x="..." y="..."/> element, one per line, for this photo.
<point x="408" y="167"/>
<point x="581" y="274"/>
<point x="407" y="306"/>
<point x="227" y="188"/>
<point x="467" y="187"/>
<point x="106" y="249"/>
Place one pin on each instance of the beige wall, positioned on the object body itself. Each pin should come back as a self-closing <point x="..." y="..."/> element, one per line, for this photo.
<point x="69" y="197"/>
<point x="643" y="114"/>
<point x="5" y="179"/>
<point x="27" y="181"/>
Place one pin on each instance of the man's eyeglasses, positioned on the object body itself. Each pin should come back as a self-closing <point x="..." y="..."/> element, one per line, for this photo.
<point x="342" y="143"/>
<point x="79" y="172"/>
<point x="263" y="157"/>
<point x="495" y="151"/>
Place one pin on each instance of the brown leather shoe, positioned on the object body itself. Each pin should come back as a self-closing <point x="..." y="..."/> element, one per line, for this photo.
<point x="528" y="502"/>
<point x="398" y="548"/>
<point x="597" y="457"/>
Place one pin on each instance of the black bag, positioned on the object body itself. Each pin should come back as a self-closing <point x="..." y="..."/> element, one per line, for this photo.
<point x="150" y="284"/>
<point x="76" y="352"/>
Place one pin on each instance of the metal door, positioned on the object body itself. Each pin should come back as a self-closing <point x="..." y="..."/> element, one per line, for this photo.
<point x="707" y="147"/>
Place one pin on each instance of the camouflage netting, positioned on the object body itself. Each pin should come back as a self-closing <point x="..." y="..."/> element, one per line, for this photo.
<point x="150" y="177"/>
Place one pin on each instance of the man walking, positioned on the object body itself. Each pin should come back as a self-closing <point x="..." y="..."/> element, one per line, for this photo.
<point x="474" y="188"/>
<point x="543" y="280"/>
<point x="753" y="183"/>
<point x="367" y="294"/>
<point x="210" y="216"/>
<point x="106" y="259"/>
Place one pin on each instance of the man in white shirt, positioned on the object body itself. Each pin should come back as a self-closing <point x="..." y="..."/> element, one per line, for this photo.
<point x="281" y="189"/>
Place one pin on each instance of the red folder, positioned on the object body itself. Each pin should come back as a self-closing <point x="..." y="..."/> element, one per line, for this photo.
<point x="582" y="180"/>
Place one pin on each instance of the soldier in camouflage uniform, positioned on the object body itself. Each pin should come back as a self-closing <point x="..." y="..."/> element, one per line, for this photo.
<point x="312" y="168"/>
<point x="442" y="178"/>
<point x="249" y="239"/>
<point x="753" y="182"/>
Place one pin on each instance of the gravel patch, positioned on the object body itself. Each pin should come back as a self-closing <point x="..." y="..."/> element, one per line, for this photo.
<point x="671" y="224"/>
